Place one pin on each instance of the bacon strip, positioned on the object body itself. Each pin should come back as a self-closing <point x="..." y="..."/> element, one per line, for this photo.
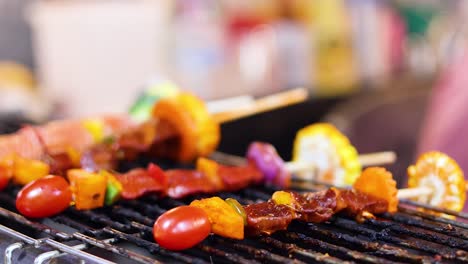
<point x="24" y="143"/>
<point x="55" y="138"/>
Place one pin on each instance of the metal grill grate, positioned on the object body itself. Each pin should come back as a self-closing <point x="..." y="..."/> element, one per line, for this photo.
<point x="123" y="232"/>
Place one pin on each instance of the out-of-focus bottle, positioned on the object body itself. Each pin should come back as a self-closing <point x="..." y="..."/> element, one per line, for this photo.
<point x="333" y="58"/>
<point x="198" y="53"/>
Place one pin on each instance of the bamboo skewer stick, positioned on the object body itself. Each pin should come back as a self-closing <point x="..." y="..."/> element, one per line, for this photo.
<point x="366" y="160"/>
<point x="377" y="158"/>
<point x="414" y="192"/>
<point x="283" y="99"/>
<point x="264" y="104"/>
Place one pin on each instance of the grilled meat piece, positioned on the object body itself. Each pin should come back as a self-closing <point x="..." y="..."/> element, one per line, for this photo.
<point x="58" y="136"/>
<point x="320" y="206"/>
<point x="268" y="217"/>
<point x="186" y="182"/>
<point x="59" y="163"/>
<point x="315" y="207"/>
<point x="24" y="143"/>
<point x="238" y="177"/>
<point x="356" y="203"/>
<point x="100" y="157"/>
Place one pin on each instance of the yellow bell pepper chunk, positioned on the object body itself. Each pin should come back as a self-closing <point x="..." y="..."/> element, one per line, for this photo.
<point x="95" y="127"/>
<point x="210" y="169"/>
<point x="26" y="171"/>
<point x="89" y="189"/>
<point x="282" y="197"/>
<point x="225" y="221"/>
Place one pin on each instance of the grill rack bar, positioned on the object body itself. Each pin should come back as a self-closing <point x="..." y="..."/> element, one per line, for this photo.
<point x="376" y="248"/>
<point x="105" y="243"/>
<point x="59" y="246"/>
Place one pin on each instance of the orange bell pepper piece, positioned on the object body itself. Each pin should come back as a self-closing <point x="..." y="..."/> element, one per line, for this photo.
<point x="379" y="182"/>
<point x="89" y="189"/>
<point x="224" y="219"/>
<point x="198" y="132"/>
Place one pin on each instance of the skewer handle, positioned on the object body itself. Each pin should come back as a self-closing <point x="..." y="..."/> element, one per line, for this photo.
<point x="414" y="192"/>
<point x="230" y="104"/>
<point x="370" y="159"/>
<point x="377" y="158"/>
<point x="298" y="166"/>
<point x="264" y="104"/>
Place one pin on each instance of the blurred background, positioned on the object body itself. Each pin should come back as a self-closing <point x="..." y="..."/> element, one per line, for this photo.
<point x="374" y="68"/>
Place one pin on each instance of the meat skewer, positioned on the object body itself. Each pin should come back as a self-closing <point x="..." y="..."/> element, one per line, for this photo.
<point x="374" y="192"/>
<point x="230" y="219"/>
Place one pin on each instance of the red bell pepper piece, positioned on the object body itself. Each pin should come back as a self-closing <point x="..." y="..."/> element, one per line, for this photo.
<point x="238" y="177"/>
<point x="138" y="182"/>
<point x="157" y="173"/>
<point x="184" y="182"/>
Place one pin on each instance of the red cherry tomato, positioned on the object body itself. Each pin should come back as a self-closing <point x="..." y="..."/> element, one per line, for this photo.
<point x="44" y="197"/>
<point x="181" y="228"/>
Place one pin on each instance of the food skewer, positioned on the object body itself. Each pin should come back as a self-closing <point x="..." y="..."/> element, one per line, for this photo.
<point x="435" y="179"/>
<point x="58" y="137"/>
<point x="264" y="104"/>
<point x="228" y="218"/>
<point x="374" y="192"/>
<point x="177" y="183"/>
<point x="283" y="99"/>
<point x="181" y="117"/>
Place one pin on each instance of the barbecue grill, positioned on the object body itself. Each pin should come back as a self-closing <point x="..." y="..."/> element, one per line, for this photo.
<point x="123" y="234"/>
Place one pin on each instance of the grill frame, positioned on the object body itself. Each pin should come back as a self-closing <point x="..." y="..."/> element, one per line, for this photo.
<point x="408" y="236"/>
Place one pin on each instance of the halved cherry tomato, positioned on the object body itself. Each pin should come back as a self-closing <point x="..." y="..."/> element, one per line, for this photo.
<point x="181" y="228"/>
<point x="44" y="197"/>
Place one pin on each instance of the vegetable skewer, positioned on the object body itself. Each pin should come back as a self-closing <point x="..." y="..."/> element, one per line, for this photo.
<point x="178" y="118"/>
